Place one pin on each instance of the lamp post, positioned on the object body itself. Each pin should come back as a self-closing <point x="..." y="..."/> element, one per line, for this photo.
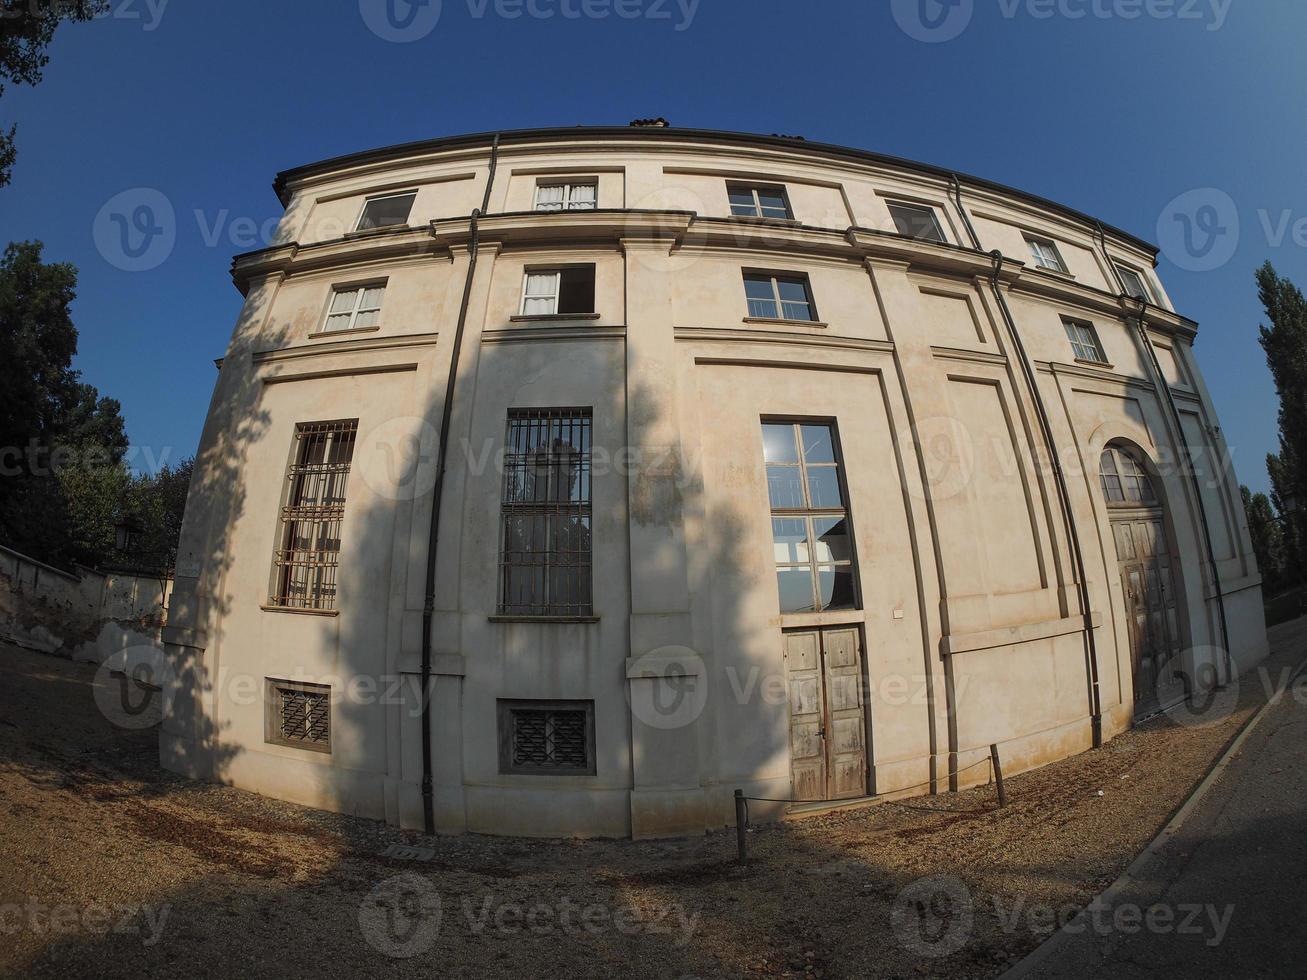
<point x="127" y="531"/>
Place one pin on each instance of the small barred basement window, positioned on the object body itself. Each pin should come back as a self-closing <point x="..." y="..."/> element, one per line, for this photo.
<point x="299" y="715"/>
<point x="546" y="737"/>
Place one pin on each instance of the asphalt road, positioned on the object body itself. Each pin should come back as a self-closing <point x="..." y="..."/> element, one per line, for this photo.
<point x="1225" y="896"/>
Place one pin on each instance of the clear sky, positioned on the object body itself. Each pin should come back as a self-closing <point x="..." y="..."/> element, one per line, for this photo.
<point x="1115" y="107"/>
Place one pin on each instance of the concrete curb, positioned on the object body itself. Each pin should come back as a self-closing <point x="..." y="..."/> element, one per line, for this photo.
<point x="1079" y="926"/>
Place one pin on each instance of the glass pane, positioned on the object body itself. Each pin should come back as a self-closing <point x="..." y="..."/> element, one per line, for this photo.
<point x="764" y="308"/>
<point x="542" y="284"/>
<point x="789" y="540"/>
<point x="836" y="586"/>
<point x="1112" y="489"/>
<point x="549" y="197"/>
<point x="784" y="488"/>
<point x="583" y="196"/>
<point x="795" y="587"/>
<point x="817" y="444"/>
<point x="780" y="212"/>
<point x="778" y="443"/>
<point x="793" y="291"/>
<point x="343" y="301"/>
<point x="368" y="318"/>
<point x="832" y="539"/>
<point x="340" y="321"/>
<point x="386" y="211"/>
<point x="542" y="306"/>
<point x="742" y="202"/>
<point x="824" y="487"/>
<point x="1108" y="462"/>
<point x="796" y="311"/>
<point x="759" y="287"/>
<point x="372" y="298"/>
<point x="773" y="201"/>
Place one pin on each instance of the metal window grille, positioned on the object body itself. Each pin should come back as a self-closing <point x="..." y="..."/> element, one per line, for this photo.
<point x="306" y="563"/>
<point x="546" y="736"/>
<point x="303" y="715"/>
<point x="545" y="547"/>
<point x="812" y="537"/>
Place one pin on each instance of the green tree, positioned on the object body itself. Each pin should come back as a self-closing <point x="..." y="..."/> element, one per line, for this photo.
<point x="1267" y="536"/>
<point x="1285" y="344"/>
<point x="26" y="29"/>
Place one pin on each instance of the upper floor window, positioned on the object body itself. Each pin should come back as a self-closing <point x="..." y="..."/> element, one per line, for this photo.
<point x="355" y="307"/>
<point x="1084" y="341"/>
<point x="308" y="551"/>
<point x="386" y="211"/>
<point x="1135" y="284"/>
<point x="580" y="196"/>
<point x="545" y="547"/>
<point x="759" y="201"/>
<point x="1045" y="253"/>
<point x="811" y="537"/>
<point x="916" y="221"/>
<point x="779" y="297"/>
<point x="1125" y="481"/>
<point x="559" y="292"/>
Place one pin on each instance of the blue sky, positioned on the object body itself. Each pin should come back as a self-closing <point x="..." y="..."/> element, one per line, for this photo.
<point x="1115" y="107"/>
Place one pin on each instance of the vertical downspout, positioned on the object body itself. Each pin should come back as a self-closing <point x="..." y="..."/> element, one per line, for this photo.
<point x="1159" y="379"/>
<point x="1059" y="477"/>
<point x="447" y="411"/>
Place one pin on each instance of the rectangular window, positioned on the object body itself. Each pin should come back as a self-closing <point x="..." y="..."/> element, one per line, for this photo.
<point x="559" y="292"/>
<point x="545" y="549"/>
<point x="1135" y="285"/>
<point x="759" y="201"/>
<point x="779" y="297"/>
<point x="581" y="196"/>
<point x="812" y="539"/>
<point x="1045" y="253"/>
<point x="387" y="211"/>
<point x="304" y="565"/>
<point x="916" y="221"/>
<point x="1084" y="341"/>
<point x="298" y="715"/>
<point x="546" y="737"/>
<point x="355" y="307"/>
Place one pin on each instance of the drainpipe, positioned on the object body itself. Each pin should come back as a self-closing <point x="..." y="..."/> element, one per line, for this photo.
<point x="447" y="411"/>
<point x="1059" y="477"/>
<point x="1159" y="379"/>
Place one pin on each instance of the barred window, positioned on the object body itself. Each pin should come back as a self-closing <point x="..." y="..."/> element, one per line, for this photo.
<point x="546" y="737"/>
<point x="812" y="539"/>
<point x="305" y="563"/>
<point x="545" y="548"/>
<point x="299" y="715"/>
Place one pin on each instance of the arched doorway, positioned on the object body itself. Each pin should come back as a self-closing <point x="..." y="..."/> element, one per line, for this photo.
<point x="1147" y="569"/>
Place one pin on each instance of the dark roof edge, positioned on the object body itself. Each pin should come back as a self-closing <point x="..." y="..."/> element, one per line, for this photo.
<point x="470" y="140"/>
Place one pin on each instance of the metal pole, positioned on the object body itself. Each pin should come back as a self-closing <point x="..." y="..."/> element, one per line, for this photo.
<point x="998" y="775"/>
<point x="741" y="825"/>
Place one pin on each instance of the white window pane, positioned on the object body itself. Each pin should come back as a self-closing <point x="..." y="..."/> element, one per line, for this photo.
<point x="549" y="197"/>
<point x="542" y="284"/>
<point x="343" y="301"/>
<point x="583" y="196"/>
<point x="339" y="321"/>
<point x="368" y="318"/>
<point x="372" y="298"/>
<point x="539" y="306"/>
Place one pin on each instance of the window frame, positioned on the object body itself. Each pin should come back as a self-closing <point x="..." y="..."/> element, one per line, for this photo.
<point x="568" y="187"/>
<point x="926" y="209"/>
<point x="1036" y="244"/>
<point x="1079" y="345"/>
<point x="801" y="278"/>
<point x="321" y="586"/>
<point x="389" y="195"/>
<point x="753" y="189"/>
<point x="361" y="288"/>
<point x="808" y="513"/>
<point x="1143" y="480"/>
<point x="542" y="608"/>
<point x="557" y="272"/>
<point x="273" y="726"/>
<point x="505" y="708"/>
<point x="1149" y="295"/>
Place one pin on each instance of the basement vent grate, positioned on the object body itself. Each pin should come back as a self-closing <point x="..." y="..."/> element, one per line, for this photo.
<point x="302" y="715"/>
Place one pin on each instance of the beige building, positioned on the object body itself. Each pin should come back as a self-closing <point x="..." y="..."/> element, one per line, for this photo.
<point x="756" y="463"/>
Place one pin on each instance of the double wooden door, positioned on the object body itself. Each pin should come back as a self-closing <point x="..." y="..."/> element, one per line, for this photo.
<point x="828" y="744"/>
<point x="1148" y="584"/>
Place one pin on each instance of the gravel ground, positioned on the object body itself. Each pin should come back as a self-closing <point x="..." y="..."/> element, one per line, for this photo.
<point x="112" y="868"/>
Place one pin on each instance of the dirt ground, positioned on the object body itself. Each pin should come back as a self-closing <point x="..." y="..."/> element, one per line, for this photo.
<point x="109" y="867"/>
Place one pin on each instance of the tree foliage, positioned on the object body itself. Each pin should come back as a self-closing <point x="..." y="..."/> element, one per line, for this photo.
<point x="1268" y="538"/>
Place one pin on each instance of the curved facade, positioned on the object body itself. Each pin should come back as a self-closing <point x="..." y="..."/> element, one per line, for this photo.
<point x="753" y="468"/>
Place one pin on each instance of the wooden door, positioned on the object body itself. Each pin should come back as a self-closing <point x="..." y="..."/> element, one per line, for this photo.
<point x="828" y="745"/>
<point x="1148" y="585"/>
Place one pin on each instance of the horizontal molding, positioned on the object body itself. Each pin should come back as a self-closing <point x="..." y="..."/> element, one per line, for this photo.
<point x="395" y="185"/>
<point x="542" y="335"/>
<point x="655" y="665"/>
<point x="355" y="346"/>
<point x="962" y="354"/>
<point x="787" y="365"/>
<point x="442" y="664"/>
<point x="737" y="335"/>
<point x="1014" y="635"/>
<point x="354" y="372"/>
